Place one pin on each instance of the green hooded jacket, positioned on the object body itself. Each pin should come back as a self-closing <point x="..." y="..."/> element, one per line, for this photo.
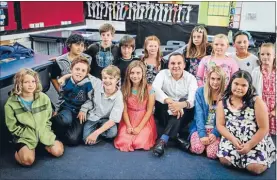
<point x="30" y="127"/>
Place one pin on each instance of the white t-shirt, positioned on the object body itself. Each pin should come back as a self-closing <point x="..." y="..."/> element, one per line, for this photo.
<point x="247" y="64"/>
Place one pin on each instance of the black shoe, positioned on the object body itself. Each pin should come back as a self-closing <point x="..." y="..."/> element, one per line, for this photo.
<point x="183" y="144"/>
<point x="159" y="148"/>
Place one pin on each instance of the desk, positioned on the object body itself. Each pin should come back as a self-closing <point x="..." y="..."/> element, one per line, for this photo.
<point x="55" y="41"/>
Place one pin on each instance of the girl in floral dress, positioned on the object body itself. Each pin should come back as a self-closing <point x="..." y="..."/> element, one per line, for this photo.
<point x="137" y="130"/>
<point x="196" y="49"/>
<point x="264" y="80"/>
<point x="242" y="120"/>
<point x="152" y="58"/>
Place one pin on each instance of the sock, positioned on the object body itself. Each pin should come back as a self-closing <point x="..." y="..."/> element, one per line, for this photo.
<point x="165" y="138"/>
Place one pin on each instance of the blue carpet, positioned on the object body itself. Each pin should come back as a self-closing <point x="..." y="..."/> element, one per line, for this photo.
<point x="103" y="161"/>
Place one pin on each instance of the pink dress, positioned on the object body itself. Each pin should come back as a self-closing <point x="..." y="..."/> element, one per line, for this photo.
<point x="269" y="92"/>
<point x="147" y="136"/>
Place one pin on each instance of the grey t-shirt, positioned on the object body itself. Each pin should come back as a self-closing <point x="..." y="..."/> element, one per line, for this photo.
<point x="247" y="64"/>
<point x="107" y="107"/>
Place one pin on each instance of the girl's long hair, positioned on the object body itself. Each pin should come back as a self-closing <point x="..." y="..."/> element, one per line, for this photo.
<point x="19" y="78"/>
<point x="207" y="87"/>
<point x="146" y="54"/>
<point x="127" y="85"/>
<point x="191" y="48"/>
<point x="248" y="98"/>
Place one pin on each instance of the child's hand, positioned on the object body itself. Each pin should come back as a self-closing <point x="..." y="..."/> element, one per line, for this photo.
<point x="245" y="148"/>
<point x="53" y="59"/>
<point x="212" y="138"/>
<point x="136" y="130"/>
<point x="237" y="144"/>
<point x="82" y="117"/>
<point x="273" y="113"/>
<point x="205" y="140"/>
<point x="129" y="130"/>
<point x="64" y="78"/>
<point x="54" y="113"/>
<point x="91" y="139"/>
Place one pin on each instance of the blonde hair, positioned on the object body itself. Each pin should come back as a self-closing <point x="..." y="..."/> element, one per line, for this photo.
<point x="19" y="78"/>
<point x="207" y="87"/>
<point x="111" y="70"/>
<point x="191" y="48"/>
<point x="220" y="36"/>
<point x="268" y="45"/>
<point x="146" y="54"/>
<point x="142" y="88"/>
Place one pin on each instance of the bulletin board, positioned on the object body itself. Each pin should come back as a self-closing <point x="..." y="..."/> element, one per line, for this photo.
<point x="49" y="14"/>
<point x="7" y="18"/>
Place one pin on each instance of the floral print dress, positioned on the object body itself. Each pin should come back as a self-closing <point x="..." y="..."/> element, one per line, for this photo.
<point x="269" y="97"/>
<point x="243" y="125"/>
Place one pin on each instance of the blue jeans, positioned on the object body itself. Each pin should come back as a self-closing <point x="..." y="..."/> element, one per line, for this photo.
<point x="67" y="127"/>
<point x="91" y="126"/>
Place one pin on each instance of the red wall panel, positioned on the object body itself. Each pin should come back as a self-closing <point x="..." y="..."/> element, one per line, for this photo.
<point x="12" y="25"/>
<point x="51" y="13"/>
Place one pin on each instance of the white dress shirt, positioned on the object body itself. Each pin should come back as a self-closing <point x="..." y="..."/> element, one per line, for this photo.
<point x="166" y="86"/>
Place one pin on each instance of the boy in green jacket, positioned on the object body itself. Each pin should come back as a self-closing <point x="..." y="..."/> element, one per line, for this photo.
<point x="27" y="115"/>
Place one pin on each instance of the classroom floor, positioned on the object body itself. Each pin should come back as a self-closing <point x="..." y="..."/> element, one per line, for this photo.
<point x="103" y="161"/>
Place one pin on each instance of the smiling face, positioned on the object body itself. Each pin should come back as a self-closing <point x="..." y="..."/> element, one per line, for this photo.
<point x="241" y="43"/>
<point x="215" y="81"/>
<point x="79" y="72"/>
<point x="152" y="47"/>
<point x="109" y="82"/>
<point x="77" y="48"/>
<point x="176" y="65"/>
<point x="197" y="38"/>
<point x="28" y="84"/>
<point x="267" y="56"/>
<point x="136" y="75"/>
<point x="220" y="46"/>
<point x="239" y="87"/>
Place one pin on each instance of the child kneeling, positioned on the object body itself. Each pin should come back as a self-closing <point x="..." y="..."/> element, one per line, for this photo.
<point x="27" y="115"/>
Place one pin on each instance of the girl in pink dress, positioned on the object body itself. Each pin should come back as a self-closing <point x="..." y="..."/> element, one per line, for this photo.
<point x="137" y="130"/>
<point x="264" y="80"/>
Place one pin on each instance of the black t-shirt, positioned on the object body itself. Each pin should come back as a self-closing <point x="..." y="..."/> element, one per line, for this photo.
<point x="102" y="57"/>
<point x="55" y="71"/>
<point x="122" y="64"/>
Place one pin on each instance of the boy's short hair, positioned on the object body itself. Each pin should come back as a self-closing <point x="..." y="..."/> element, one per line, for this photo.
<point x="80" y="59"/>
<point x="106" y="27"/>
<point x="74" y="39"/>
<point x="127" y="40"/>
<point x="112" y="70"/>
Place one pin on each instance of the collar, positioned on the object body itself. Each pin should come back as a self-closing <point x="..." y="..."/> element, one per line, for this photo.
<point x="14" y="97"/>
<point x="111" y="97"/>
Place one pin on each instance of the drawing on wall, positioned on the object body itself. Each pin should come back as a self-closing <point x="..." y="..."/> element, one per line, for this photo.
<point x="154" y="11"/>
<point x="218" y="8"/>
<point x="235" y="11"/>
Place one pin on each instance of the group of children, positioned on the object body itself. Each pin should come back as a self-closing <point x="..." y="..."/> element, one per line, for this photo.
<point x="233" y="113"/>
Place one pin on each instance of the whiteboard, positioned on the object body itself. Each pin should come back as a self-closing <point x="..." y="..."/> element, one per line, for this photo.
<point x="265" y="16"/>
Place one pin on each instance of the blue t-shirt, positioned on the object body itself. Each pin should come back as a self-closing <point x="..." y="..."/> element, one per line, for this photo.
<point x="26" y="104"/>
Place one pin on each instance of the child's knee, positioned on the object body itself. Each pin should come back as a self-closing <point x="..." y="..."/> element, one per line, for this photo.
<point x="112" y="132"/>
<point x="197" y="148"/>
<point x="26" y="160"/>
<point x="58" y="149"/>
<point x="224" y="161"/>
<point x="256" y="168"/>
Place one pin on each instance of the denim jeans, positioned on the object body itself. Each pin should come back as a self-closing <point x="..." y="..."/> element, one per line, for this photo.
<point x="91" y="126"/>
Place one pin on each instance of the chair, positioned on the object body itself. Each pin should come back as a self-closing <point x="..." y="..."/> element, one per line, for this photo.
<point x="44" y="77"/>
<point x="168" y="49"/>
<point x="175" y="43"/>
<point x="139" y="53"/>
<point x="180" y="50"/>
